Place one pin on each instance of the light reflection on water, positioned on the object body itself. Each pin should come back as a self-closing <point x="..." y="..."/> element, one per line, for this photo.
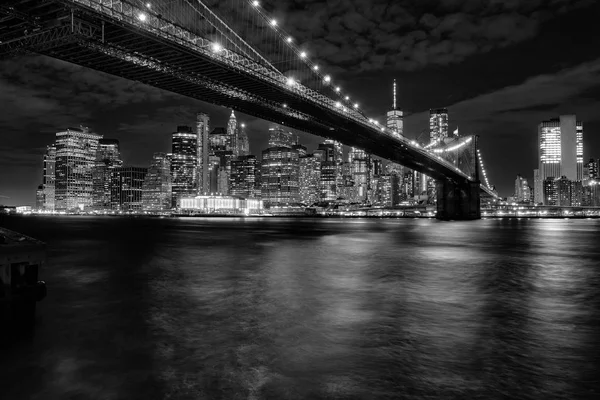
<point x="292" y="309"/>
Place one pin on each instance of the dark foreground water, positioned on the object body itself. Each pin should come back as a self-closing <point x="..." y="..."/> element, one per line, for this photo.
<point x="311" y="309"/>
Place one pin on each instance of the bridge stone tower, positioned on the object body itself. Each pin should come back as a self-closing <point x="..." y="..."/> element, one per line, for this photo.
<point x="460" y="200"/>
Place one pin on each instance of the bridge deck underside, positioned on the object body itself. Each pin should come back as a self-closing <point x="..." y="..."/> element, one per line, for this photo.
<point x="181" y="70"/>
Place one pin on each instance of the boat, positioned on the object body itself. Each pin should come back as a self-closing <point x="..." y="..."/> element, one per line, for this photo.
<point x="21" y="258"/>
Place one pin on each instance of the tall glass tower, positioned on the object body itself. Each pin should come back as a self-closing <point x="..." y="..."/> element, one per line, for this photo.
<point x="202" y="132"/>
<point x="395" y="117"/>
<point x="48" y="181"/>
<point x="108" y="158"/>
<point x="156" y="189"/>
<point x="561" y="148"/>
<point x="184" y="163"/>
<point x="75" y="159"/>
<point x="438" y="124"/>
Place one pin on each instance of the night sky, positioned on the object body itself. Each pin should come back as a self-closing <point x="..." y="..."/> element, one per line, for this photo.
<point x="500" y="66"/>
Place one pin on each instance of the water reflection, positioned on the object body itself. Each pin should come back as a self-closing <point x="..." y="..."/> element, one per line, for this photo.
<point x="291" y="309"/>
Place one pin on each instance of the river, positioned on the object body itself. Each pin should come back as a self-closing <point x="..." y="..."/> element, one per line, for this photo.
<point x="147" y="308"/>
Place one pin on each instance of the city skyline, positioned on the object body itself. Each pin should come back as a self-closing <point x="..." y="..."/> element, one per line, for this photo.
<point x="501" y="103"/>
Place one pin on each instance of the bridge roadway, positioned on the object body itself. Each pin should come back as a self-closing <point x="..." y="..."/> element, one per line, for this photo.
<point x="110" y="36"/>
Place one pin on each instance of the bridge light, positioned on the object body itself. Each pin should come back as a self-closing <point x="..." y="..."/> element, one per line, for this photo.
<point x="216" y="47"/>
<point x="142" y="17"/>
<point x="291" y="81"/>
<point x="273" y="22"/>
<point x="284" y="105"/>
<point x="255" y="3"/>
<point x="337" y="89"/>
<point x="316" y="67"/>
<point x="148" y="5"/>
<point x="243" y="125"/>
<point x="289" y="39"/>
<point x="327" y="78"/>
<point x="355" y="105"/>
<point x="338" y="104"/>
<point x="303" y="54"/>
<point x="371" y="120"/>
<point x="346" y="98"/>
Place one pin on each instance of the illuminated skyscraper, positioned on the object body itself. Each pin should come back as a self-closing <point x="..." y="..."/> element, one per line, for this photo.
<point x="75" y="158"/>
<point x="156" y="190"/>
<point x="184" y="163"/>
<point x="438" y="124"/>
<point x="359" y="169"/>
<point x="278" y="137"/>
<point x="592" y="167"/>
<point x="244" y="177"/>
<point x="280" y="175"/>
<point x="243" y="145"/>
<point x="48" y="181"/>
<point x="232" y="134"/>
<point x="127" y="188"/>
<point x="329" y="171"/>
<point x="202" y="132"/>
<point x="310" y="176"/>
<point x="522" y="190"/>
<point x="108" y="158"/>
<point x="394" y="120"/>
<point x="561" y="148"/>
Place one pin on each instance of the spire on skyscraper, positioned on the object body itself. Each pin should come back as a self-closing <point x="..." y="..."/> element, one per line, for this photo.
<point x="394" y="108"/>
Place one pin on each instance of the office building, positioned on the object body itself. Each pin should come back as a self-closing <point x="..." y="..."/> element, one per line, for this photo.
<point x="48" y="180"/>
<point x="108" y="157"/>
<point x="202" y="134"/>
<point x="438" y="125"/>
<point x="184" y="163"/>
<point x="592" y="170"/>
<point x="309" y="178"/>
<point x="395" y="119"/>
<point x="156" y="189"/>
<point x="522" y="190"/>
<point x="127" y="188"/>
<point x="359" y="170"/>
<point x="75" y="159"/>
<point x="232" y="134"/>
<point x="538" y="187"/>
<point x="328" y="186"/>
<point x="39" y="198"/>
<point x="278" y="137"/>
<point x="219" y="140"/>
<point x="280" y="176"/>
<point x="561" y="148"/>
<point x="244" y="178"/>
<point x="221" y="205"/>
<point x="242" y="143"/>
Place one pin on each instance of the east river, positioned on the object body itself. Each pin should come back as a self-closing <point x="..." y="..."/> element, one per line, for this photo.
<point x="311" y="309"/>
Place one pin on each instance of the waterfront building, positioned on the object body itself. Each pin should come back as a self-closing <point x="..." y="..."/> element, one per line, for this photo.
<point x="538" y="187"/>
<point x="375" y="169"/>
<point x="561" y="148"/>
<point x="309" y="178"/>
<point x="184" y="163"/>
<point x="522" y="190"/>
<point x="386" y="190"/>
<point x="359" y="170"/>
<point x="221" y="205"/>
<point x="108" y="157"/>
<point x="328" y="185"/>
<point x="395" y="118"/>
<point x="127" y="188"/>
<point x="39" y="198"/>
<point x="280" y="175"/>
<point x="438" y="125"/>
<point x="550" y="191"/>
<point x="202" y="134"/>
<point x="244" y="179"/>
<point x="156" y="189"/>
<point x="75" y="159"/>
<point x="48" y="180"/>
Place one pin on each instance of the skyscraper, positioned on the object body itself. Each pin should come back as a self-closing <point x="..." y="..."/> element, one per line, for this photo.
<point x="232" y="134"/>
<point x="309" y="179"/>
<point x="438" y="124"/>
<point x="156" y="190"/>
<point x="75" y="158"/>
<point x="243" y="145"/>
<point x="522" y="190"/>
<point x="202" y="132"/>
<point x="329" y="183"/>
<point x="108" y="158"/>
<point x="279" y="175"/>
<point x="394" y="120"/>
<point x="127" y="188"/>
<point x="244" y="178"/>
<point x="359" y="169"/>
<point x="278" y="137"/>
<point x="48" y="180"/>
<point x="592" y="167"/>
<point x="561" y="148"/>
<point x="184" y="163"/>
